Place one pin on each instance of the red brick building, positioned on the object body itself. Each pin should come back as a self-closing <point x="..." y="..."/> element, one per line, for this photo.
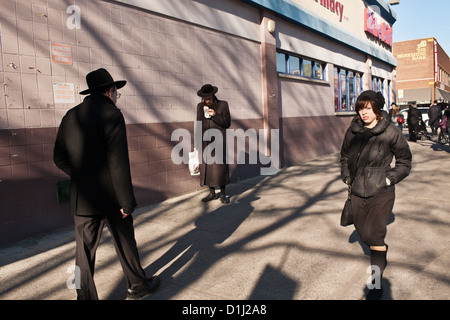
<point x="423" y="72"/>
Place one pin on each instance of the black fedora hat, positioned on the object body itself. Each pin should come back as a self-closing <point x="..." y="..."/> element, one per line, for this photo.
<point x="207" y="91"/>
<point x="99" y="79"/>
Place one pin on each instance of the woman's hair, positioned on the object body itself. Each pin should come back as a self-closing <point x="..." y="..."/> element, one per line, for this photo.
<point x="364" y="100"/>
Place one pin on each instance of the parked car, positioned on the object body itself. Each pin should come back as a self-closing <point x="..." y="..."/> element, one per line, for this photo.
<point x="423" y="111"/>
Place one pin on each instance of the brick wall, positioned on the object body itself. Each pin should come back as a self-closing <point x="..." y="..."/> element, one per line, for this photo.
<point x="415" y="63"/>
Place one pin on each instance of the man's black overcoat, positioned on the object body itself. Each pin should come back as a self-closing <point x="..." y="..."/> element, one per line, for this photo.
<point x="91" y="147"/>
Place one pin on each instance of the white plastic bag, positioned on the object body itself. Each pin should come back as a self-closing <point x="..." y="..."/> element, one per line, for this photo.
<point x="194" y="165"/>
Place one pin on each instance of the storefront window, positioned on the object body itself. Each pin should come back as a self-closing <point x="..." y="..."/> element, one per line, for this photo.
<point x="336" y="90"/>
<point x="295" y="65"/>
<point x="307" y="68"/>
<point x="318" y="71"/>
<point x="281" y="62"/>
<point x="351" y="91"/>
<point x="378" y="85"/>
<point x="343" y="84"/>
<point x="347" y="87"/>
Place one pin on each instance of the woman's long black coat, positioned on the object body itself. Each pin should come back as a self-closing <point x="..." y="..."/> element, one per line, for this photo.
<point x="214" y="174"/>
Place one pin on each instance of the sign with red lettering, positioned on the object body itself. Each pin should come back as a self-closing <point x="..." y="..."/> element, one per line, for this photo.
<point x="382" y="31"/>
<point x="61" y="53"/>
<point x="334" y="6"/>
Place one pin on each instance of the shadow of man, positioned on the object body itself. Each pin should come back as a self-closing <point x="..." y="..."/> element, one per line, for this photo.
<point x="197" y="251"/>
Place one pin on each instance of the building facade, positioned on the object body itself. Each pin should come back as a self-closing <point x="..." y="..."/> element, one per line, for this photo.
<point x="290" y="71"/>
<point x="423" y="72"/>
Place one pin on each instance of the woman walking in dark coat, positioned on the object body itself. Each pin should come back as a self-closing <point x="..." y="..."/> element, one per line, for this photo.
<point x="369" y="146"/>
<point x="213" y="114"/>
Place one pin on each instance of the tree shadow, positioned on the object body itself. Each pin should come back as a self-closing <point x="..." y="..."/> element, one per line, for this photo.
<point x="196" y="251"/>
<point x="199" y="249"/>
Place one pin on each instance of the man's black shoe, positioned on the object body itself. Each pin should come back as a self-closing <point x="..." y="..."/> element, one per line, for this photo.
<point x="144" y="291"/>
<point x="209" y="197"/>
<point x="223" y="198"/>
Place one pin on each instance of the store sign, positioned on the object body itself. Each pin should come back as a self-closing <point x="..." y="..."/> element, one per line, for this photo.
<point x="420" y="54"/>
<point x="382" y="31"/>
<point x="334" y="6"/>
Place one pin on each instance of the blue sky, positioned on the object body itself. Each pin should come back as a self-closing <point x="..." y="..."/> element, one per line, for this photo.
<point x="423" y="19"/>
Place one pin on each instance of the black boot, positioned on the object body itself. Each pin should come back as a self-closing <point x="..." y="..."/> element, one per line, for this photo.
<point x="222" y="196"/>
<point x="211" y="196"/>
<point x="377" y="258"/>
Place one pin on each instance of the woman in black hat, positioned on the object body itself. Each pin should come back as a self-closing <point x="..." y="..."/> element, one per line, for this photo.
<point x="369" y="146"/>
<point x="213" y="114"/>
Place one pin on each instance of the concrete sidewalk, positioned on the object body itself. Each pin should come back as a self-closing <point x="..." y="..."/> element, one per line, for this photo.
<point x="279" y="238"/>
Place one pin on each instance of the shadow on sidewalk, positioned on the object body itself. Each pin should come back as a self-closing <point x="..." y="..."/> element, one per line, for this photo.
<point x="198" y="250"/>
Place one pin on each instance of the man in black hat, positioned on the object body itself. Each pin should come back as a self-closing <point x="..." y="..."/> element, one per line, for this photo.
<point x="434" y="116"/>
<point x="413" y="119"/>
<point x="91" y="147"/>
<point x="214" y="114"/>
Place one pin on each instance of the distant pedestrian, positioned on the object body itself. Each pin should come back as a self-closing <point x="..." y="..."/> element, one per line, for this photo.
<point x="434" y="116"/>
<point x="369" y="146"/>
<point x="392" y="111"/>
<point x="213" y="114"/>
<point x="447" y="117"/>
<point x="91" y="147"/>
<point x="414" y="119"/>
<point x="396" y="116"/>
<point x="444" y="126"/>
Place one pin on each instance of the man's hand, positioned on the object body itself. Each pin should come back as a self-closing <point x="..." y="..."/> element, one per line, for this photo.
<point x="124" y="215"/>
<point x="211" y="112"/>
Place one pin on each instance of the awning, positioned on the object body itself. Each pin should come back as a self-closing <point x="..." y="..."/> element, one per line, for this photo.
<point x="442" y="95"/>
<point x="419" y="96"/>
